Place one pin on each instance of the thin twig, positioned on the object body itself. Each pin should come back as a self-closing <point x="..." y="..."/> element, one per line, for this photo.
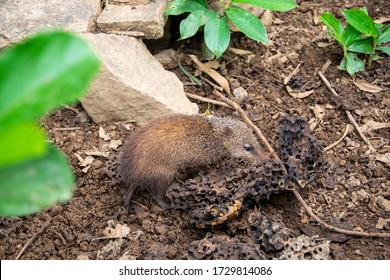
<point x="349" y="115"/>
<point x="338" y="141"/>
<point x="296" y="193"/>
<point x="335" y="229"/>
<point x="139" y="204"/>
<point x="66" y="128"/>
<point x="293" y="73"/>
<point x="244" y="116"/>
<point x="60" y="236"/>
<point x="215" y="86"/>
<point x="207" y="100"/>
<point x="70" y="108"/>
<point x="32" y="239"/>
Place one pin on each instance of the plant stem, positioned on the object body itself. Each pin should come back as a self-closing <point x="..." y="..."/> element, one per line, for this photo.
<point x="371" y="56"/>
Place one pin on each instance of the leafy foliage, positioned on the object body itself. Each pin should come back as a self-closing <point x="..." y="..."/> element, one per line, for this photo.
<point x="36" y="76"/>
<point x="360" y="35"/>
<point x="216" y="22"/>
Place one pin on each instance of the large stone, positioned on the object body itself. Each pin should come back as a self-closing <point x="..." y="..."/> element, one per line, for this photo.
<point x="132" y="85"/>
<point x="19" y="18"/>
<point x="143" y="16"/>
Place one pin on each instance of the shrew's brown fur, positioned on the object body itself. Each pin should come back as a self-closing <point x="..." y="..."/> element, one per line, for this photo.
<point x="152" y="155"/>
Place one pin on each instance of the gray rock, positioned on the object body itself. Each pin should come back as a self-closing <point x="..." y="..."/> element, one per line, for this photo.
<point x="144" y="16"/>
<point x="132" y="84"/>
<point x="19" y="18"/>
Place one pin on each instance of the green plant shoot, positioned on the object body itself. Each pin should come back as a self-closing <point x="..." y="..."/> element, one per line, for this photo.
<point x="215" y="20"/>
<point x="360" y="35"/>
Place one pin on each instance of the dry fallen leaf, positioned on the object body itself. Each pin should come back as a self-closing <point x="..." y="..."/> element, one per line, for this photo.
<point x="218" y="78"/>
<point x="115" y="231"/>
<point x="316" y="17"/>
<point x="365" y="86"/>
<point x="110" y="251"/>
<point x="382" y="223"/>
<point x="382" y="19"/>
<point x="299" y="95"/>
<point x="239" y="51"/>
<point x="213" y="64"/>
<point x="371" y="125"/>
<point x="277" y="58"/>
<point x="103" y="135"/>
<point x="384" y="158"/>
<point x="114" y="144"/>
<point x="119" y="231"/>
<point x="383" y="203"/>
<point x="324" y="44"/>
<point x="318" y="111"/>
<point x="267" y="18"/>
<point x="84" y="161"/>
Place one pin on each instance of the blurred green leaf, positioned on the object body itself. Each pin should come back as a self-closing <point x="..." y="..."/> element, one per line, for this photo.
<point x="364" y="9"/>
<point x="178" y="7"/>
<point x="19" y="141"/>
<point x="248" y="23"/>
<point x="274" y="5"/>
<point x="207" y="54"/>
<point x="217" y="34"/>
<point x="384" y="49"/>
<point x="354" y="64"/>
<point x="360" y="21"/>
<point x="190" y="25"/>
<point x="335" y="26"/>
<point x="384" y="35"/>
<point x="43" y="72"/>
<point x="343" y="64"/>
<point x="202" y="2"/>
<point x="350" y="34"/>
<point x="35" y="184"/>
<point x="362" y="46"/>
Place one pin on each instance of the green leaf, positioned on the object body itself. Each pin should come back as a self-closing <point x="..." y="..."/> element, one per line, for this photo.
<point x="384" y="35"/>
<point x="248" y="23"/>
<point x="335" y="26"/>
<point x="378" y="26"/>
<point x="190" y="25"/>
<point x="360" y="21"/>
<point x="202" y="2"/>
<point x="350" y="34"/>
<point x="354" y="64"/>
<point x="362" y="46"/>
<point x="217" y="34"/>
<point x="207" y="54"/>
<point x="384" y="49"/>
<point x="274" y="5"/>
<point x="19" y="141"/>
<point x="343" y="64"/>
<point x="364" y="9"/>
<point x="178" y="7"/>
<point x="33" y="185"/>
<point x="43" y="72"/>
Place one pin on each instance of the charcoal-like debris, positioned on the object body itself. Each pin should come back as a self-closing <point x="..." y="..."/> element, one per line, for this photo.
<point x="222" y="247"/>
<point x="272" y="236"/>
<point x="299" y="149"/>
<point x="304" y="247"/>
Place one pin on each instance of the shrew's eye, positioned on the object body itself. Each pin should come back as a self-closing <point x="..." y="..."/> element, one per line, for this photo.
<point x="248" y="147"/>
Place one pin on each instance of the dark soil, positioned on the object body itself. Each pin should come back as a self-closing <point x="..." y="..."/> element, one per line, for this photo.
<point x="353" y="193"/>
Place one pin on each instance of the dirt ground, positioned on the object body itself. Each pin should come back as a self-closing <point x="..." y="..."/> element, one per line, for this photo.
<point x="353" y="193"/>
